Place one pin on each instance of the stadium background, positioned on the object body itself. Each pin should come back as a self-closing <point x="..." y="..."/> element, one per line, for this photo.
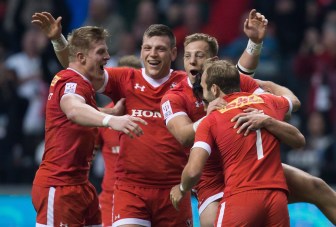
<point x="298" y="52"/>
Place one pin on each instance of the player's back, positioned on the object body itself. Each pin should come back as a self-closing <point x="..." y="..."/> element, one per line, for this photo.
<point x="249" y="162"/>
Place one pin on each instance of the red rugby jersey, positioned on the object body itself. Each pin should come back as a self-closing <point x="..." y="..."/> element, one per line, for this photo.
<point x="68" y="146"/>
<point x="181" y="101"/>
<point x="251" y="162"/>
<point x="155" y="159"/>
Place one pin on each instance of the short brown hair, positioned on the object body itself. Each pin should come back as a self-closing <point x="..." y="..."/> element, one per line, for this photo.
<point x="224" y="74"/>
<point x="161" y="30"/>
<point x="80" y="39"/>
<point x="211" y="41"/>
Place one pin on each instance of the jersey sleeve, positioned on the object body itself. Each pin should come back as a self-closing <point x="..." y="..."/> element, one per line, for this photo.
<point x="203" y="137"/>
<point x="248" y="84"/>
<point x="282" y="105"/>
<point x="172" y="105"/>
<point x="72" y="86"/>
<point x="116" y="79"/>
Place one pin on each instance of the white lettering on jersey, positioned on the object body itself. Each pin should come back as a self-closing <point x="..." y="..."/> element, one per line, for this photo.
<point x="142" y="88"/>
<point x="166" y="109"/>
<point x="70" y="88"/>
<point x="146" y="113"/>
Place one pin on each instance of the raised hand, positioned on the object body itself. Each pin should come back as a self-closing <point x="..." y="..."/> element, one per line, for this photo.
<point x="255" y="26"/>
<point x="127" y="124"/>
<point x="51" y="28"/>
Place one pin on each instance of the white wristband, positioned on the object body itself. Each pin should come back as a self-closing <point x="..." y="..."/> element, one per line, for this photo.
<point x="253" y="48"/>
<point x="60" y="43"/>
<point x="106" y="120"/>
<point x="181" y="188"/>
<point x="196" y="124"/>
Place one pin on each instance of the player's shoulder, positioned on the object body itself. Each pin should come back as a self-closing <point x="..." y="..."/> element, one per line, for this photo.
<point x="126" y="71"/>
<point x="179" y="89"/>
<point x="67" y="75"/>
<point x="178" y="75"/>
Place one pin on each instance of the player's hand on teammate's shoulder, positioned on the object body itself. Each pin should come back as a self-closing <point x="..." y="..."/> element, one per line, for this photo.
<point x="216" y="104"/>
<point x="252" y="119"/>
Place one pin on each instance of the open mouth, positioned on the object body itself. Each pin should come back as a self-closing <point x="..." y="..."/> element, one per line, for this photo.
<point x="154" y="63"/>
<point x="194" y="72"/>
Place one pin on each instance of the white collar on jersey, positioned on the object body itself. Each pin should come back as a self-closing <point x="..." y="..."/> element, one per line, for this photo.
<point x="189" y="82"/>
<point x="153" y="82"/>
<point x="79" y="74"/>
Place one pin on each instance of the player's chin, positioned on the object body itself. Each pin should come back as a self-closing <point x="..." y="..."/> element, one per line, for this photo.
<point x="192" y="78"/>
<point x="100" y="70"/>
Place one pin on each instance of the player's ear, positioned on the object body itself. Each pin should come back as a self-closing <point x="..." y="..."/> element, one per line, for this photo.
<point x="81" y="57"/>
<point x="215" y="90"/>
<point x="173" y="53"/>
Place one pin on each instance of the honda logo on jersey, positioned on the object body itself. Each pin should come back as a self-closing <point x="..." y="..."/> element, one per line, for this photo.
<point x="137" y="86"/>
<point x="146" y="113"/>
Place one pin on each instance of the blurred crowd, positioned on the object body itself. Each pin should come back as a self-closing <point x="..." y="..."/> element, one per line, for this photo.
<point x="299" y="52"/>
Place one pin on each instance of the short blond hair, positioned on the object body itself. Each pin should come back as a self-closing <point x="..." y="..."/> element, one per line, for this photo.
<point x="80" y="39"/>
<point x="210" y="40"/>
<point x="224" y="74"/>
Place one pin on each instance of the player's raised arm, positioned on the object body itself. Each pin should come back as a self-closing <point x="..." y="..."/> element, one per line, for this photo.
<point x="255" y="27"/>
<point x="53" y="30"/>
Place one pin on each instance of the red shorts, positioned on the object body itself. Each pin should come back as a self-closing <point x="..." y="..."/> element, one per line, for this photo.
<point x="106" y="204"/>
<point x="254" y="208"/>
<point x="75" y="205"/>
<point x="209" y="190"/>
<point x="149" y="207"/>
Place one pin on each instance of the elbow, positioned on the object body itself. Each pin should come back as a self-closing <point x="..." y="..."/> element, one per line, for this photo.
<point x="72" y="115"/>
<point x="300" y="142"/>
<point x="194" y="174"/>
<point x="296" y="104"/>
<point x="186" y="142"/>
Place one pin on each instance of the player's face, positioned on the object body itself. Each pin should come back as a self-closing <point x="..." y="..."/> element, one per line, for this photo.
<point x="195" y="54"/>
<point x="157" y="56"/>
<point x="207" y="94"/>
<point x="96" y="58"/>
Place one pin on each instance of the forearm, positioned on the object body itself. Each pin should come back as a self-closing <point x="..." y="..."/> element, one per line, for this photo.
<point x="249" y="60"/>
<point x="189" y="178"/>
<point x="285" y="132"/>
<point x="280" y="91"/>
<point x="110" y="111"/>
<point x="85" y="115"/>
<point x="185" y="135"/>
<point x="182" y="128"/>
